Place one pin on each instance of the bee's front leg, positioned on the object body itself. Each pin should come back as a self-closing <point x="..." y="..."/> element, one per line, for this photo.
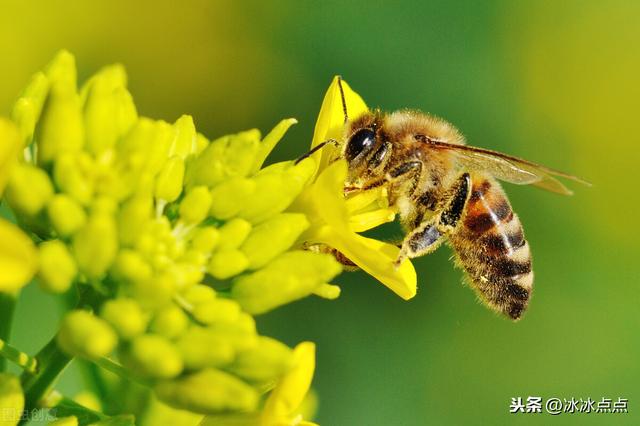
<point x="428" y="235"/>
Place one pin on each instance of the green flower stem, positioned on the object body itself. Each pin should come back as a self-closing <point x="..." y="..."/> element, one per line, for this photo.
<point x="18" y="357"/>
<point x="92" y="377"/>
<point x="51" y="361"/>
<point x="114" y="367"/>
<point x="7" y="307"/>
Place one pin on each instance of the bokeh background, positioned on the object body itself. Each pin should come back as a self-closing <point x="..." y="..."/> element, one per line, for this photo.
<point x="554" y="82"/>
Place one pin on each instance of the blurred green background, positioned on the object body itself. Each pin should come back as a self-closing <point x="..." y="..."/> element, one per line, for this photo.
<point x="554" y="82"/>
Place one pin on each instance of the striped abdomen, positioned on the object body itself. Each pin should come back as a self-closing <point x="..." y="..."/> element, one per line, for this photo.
<point x="490" y="246"/>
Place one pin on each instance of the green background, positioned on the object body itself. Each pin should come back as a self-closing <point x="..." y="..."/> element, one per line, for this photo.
<point x="556" y="84"/>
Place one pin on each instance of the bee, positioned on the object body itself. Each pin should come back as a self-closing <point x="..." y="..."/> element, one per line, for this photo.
<point x="447" y="191"/>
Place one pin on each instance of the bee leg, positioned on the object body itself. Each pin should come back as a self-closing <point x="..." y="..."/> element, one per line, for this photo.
<point x="428" y="235"/>
<point x="422" y="240"/>
<point x="456" y="203"/>
<point x="347" y="264"/>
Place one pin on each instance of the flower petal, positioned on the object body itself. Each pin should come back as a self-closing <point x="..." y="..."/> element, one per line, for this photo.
<point x="331" y="119"/>
<point x="374" y="257"/>
<point x="322" y="202"/>
<point x="269" y="142"/>
<point x="330" y="224"/>
<point x="369" y="220"/>
<point x="327" y="190"/>
<point x="18" y="258"/>
<point x="363" y="200"/>
<point x="289" y="393"/>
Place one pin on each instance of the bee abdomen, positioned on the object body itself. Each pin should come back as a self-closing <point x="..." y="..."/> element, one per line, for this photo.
<point x="491" y="247"/>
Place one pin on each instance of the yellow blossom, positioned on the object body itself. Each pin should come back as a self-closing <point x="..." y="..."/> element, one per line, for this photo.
<point x="174" y="243"/>
<point x="334" y="220"/>
<point x="330" y="122"/>
<point x="284" y="405"/>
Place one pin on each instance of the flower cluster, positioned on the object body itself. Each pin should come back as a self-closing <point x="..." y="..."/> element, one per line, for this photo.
<point x="171" y="243"/>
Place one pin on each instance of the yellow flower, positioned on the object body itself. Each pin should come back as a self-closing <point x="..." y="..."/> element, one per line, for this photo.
<point x="334" y="219"/>
<point x="330" y="123"/>
<point x="284" y="405"/>
<point x="18" y="258"/>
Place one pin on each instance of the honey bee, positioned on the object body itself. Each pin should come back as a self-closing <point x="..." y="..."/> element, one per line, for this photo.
<point x="446" y="191"/>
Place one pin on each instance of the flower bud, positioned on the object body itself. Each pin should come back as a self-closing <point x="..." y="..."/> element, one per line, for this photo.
<point x="27" y="109"/>
<point x="327" y="291"/>
<point x="202" y="348"/>
<point x="148" y="140"/>
<point x="185" y="274"/>
<point x="276" y="188"/>
<point x="65" y="214"/>
<point x="11" y="400"/>
<point x="104" y="204"/>
<point x="57" y="267"/>
<point x="133" y="215"/>
<point x="10" y="148"/>
<point x="230" y="196"/>
<point x="217" y="310"/>
<point x="127" y="114"/>
<point x="125" y="316"/>
<point x="18" y="258"/>
<point x="157" y="413"/>
<point x="245" y="324"/>
<point x="184" y="141"/>
<point x="265" y="362"/>
<point x="273" y="237"/>
<point x="205" y="239"/>
<point x="168" y="184"/>
<point x="154" y="292"/>
<point x="95" y="245"/>
<point x="241" y="334"/>
<point x="201" y="143"/>
<point x="199" y="294"/>
<point x="291" y="276"/>
<point x="208" y="391"/>
<point x="72" y="178"/>
<point x="226" y="157"/>
<point x="153" y="356"/>
<point x="130" y="266"/>
<point x="170" y="322"/>
<point x="195" y="206"/>
<point x="61" y="127"/>
<point x="101" y="109"/>
<point x="228" y="263"/>
<point x="29" y="189"/>
<point x="86" y="335"/>
<point x="233" y="234"/>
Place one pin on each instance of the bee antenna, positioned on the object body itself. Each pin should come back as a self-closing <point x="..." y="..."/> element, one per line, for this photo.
<point x="344" y="101"/>
<point x="316" y="148"/>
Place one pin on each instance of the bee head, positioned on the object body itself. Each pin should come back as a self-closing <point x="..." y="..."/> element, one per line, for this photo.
<point x="360" y="143"/>
<point x="362" y="137"/>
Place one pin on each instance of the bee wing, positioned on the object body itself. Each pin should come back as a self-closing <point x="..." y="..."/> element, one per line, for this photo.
<point x="508" y="168"/>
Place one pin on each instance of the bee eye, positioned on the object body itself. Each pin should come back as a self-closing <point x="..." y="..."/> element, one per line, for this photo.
<point x="361" y="141"/>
